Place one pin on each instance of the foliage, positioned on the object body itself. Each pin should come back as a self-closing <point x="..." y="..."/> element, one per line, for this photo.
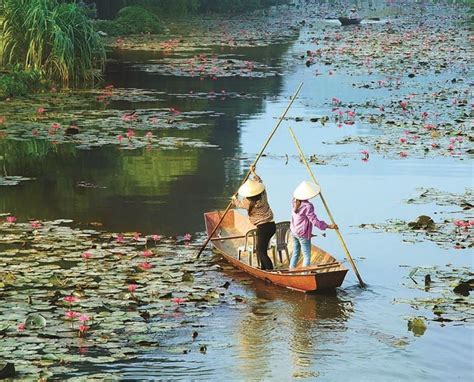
<point x="57" y="39"/>
<point x="187" y="7"/>
<point x="17" y="82"/>
<point x="131" y="20"/>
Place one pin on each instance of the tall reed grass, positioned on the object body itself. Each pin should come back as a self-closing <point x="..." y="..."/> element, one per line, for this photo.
<point x="56" y="38"/>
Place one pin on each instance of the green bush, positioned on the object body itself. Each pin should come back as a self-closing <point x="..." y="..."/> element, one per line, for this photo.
<point x="131" y="20"/>
<point x="55" y="38"/>
<point x="16" y="82"/>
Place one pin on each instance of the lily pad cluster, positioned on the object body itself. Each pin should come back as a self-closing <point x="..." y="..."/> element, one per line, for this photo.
<point x="417" y="124"/>
<point x="444" y="230"/>
<point x="12" y="180"/>
<point x="213" y="67"/>
<point x="399" y="47"/>
<point x="72" y="296"/>
<point x="440" y="198"/>
<point x="47" y="117"/>
<point x="445" y="291"/>
<point x="250" y="30"/>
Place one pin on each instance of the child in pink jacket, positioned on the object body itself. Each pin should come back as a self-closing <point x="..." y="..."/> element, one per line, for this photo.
<point x="303" y="218"/>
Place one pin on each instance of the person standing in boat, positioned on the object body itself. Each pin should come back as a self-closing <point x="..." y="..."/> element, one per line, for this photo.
<point x="260" y="214"/>
<point x="353" y="13"/>
<point x="303" y="218"/>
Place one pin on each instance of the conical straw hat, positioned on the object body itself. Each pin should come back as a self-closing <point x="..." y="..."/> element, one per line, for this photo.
<point x="306" y="190"/>
<point x="251" y="188"/>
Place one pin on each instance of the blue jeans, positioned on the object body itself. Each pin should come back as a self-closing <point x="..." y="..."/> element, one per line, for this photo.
<point x="304" y="245"/>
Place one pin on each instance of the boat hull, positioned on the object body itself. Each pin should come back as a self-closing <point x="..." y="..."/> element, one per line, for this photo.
<point x="329" y="273"/>
<point x="348" y="21"/>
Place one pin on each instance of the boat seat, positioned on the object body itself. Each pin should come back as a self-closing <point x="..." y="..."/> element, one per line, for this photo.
<point x="280" y="241"/>
<point x="252" y="234"/>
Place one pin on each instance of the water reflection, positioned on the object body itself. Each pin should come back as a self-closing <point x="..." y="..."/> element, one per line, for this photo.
<point x="152" y="191"/>
<point x="286" y="327"/>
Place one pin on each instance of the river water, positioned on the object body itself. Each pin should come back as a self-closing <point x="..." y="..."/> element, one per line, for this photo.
<point x="353" y="334"/>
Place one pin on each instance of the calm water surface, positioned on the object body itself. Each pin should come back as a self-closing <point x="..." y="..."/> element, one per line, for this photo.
<point x="352" y="334"/>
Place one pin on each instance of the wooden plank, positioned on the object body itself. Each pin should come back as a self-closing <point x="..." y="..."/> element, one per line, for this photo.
<point x="315" y="268"/>
<point x="228" y="238"/>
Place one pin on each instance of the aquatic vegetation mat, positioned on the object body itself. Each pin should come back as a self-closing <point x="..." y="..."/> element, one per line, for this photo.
<point x="445" y="291"/>
<point x="88" y="119"/>
<point x="13" y="180"/>
<point x="443" y="230"/>
<point x="72" y="296"/>
<point x="447" y="233"/>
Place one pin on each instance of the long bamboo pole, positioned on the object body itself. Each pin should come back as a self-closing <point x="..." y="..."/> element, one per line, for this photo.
<point x="280" y="120"/>
<point x="344" y="246"/>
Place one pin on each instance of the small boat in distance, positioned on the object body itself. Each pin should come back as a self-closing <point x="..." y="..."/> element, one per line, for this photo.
<point x="234" y="240"/>
<point x="348" y="21"/>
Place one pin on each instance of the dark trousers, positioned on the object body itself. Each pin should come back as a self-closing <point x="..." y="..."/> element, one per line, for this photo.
<point x="265" y="232"/>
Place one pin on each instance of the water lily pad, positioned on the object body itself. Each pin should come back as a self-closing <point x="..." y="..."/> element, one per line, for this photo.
<point x="417" y="325"/>
<point x="35" y="321"/>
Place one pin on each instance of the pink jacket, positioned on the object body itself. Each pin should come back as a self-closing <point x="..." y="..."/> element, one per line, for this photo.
<point x="302" y="221"/>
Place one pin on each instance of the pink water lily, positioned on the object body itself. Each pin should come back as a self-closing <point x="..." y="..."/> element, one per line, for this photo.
<point x="156" y="237"/>
<point x="40" y="110"/>
<point x="365" y="154"/>
<point x="71" y="299"/>
<point x="145" y="266"/>
<point x="178" y="300"/>
<point x="130" y="134"/>
<point x="136" y="236"/>
<point x="84" y="318"/>
<point x="147" y="253"/>
<point x="55" y="126"/>
<point x="129" y="117"/>
<point x="36" y="224"/>
<point x="403" y="154"/>
<point x="120" y="137"/>
<point x="119" y="238"/>
<point x="462" y="223"/>
<point x="187" y="237"/>
<point x="70" y="315"/>
<point x="434" y="145"/>
<point x="403" y="140"/>
<point x="83" y="330"/>
<point x="86" y="256"/>
<point x="11" y="219"/>
<point x="21" y="327"/>
<point x="132" y="288"/>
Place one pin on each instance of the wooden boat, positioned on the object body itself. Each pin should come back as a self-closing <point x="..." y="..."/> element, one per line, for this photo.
<point x="230" y="239"/>
<point x="348" y="21"/>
